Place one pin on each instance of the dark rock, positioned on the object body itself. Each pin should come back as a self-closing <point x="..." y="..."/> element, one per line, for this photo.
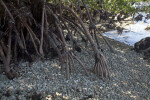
<point x="18" y="92"/>
<point x="82" y="7"/>
<point x="68" y="37"/>
<point x="109" y="26"/>
<point x="90" y="96"/>
<point x="84" y="40"/>
<point x="104" y="15"/>
<point x="7" y="94"/>
<point x="53" y="53"/>
<point x="119" y="18"/>
<point x="147" y="16"/>
<point x="119" y="30"/>
<point x="78" y="89"/>
<point x="139" y="17"/>
<point x="77" y="48"/>
<point x="113" y="16"/>
<point x="110" y="21"/>
<point x="36" y="96"/>
<point x="142" y="44"/>
<point x="102" y="50"/>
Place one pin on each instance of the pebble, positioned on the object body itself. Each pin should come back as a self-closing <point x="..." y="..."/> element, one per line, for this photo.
<point x="21" y="97"/>
<point x="44" y="77"/>
<point x="48" y="97"/>
<point x="78" y="89"/>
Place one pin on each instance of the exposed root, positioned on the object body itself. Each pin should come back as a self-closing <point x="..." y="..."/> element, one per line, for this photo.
<point x="101" y="67"/>
<point x="92" y="28"/>
<point x="70" y="64"/>
<point x="99" y="59"/>
<point x="36" y="28"/>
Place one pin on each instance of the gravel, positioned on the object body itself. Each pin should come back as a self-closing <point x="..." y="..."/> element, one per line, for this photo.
<point x="130" y="78"/>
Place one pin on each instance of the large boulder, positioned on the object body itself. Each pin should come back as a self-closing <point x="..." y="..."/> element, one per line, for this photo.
<point x="142" y="45"/>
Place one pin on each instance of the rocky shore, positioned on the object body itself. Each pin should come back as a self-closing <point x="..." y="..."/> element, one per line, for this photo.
<point x="130" y="78"/>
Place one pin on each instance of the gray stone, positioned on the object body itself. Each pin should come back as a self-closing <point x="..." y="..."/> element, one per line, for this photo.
<point x="3" y="78"/>
<point x="21" y="97"/>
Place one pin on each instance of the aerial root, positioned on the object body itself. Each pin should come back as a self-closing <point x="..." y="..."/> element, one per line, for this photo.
<point x="101" y="67"/>
<point x="0" y="70"/>
<point x="70" y="64"/>
<point x="29" y="33"/>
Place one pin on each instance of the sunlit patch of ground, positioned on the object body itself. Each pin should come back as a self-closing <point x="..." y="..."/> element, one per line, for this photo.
<point x="129" y="78"/>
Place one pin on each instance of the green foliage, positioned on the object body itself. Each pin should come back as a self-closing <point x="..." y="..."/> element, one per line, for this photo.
<point x="116" y="6"/>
